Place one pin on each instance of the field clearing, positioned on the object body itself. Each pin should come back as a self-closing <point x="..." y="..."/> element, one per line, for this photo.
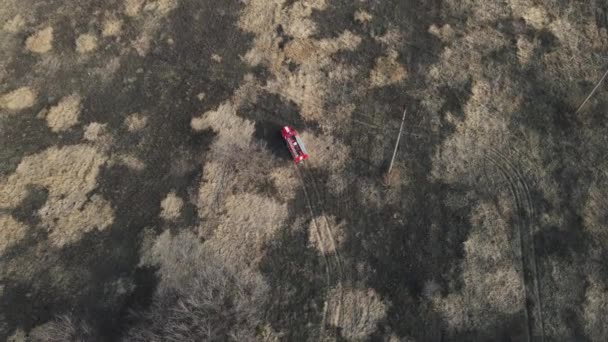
<point x="146" y="193"/>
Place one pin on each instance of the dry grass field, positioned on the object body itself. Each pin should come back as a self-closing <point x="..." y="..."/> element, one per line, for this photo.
<point x="146" y="193"/>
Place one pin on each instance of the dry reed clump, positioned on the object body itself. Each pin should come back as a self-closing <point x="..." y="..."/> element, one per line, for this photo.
<point x="199" y="297"/>
<point x="364" y="309"/>
<point x="69" y="174"/>
<point x="309" y="86"/>
<point x="331" y="233"/>
<point x="18" y="99"/>
<point x="171" y="206"/>
<point x="11" y="232"/>
<point x="41" y="41"/>
<point x="64" y="115"/>
<point x="492" y="283"/>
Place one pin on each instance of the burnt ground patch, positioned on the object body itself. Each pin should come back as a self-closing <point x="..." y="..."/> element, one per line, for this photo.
<point x="163" y="86"/>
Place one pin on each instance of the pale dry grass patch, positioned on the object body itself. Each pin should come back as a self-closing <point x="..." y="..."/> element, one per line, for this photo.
<point x="387" y="71"/>
<point x="11" y="232"/>
<point x="331" y="233"/>
<point x="41" y="41"/>
<point x="132" y="7"/>
<point x="364" y="309"/>
<point x="285" y="180"/>
<point x="309" y="86"/>
<point x="131" y="161"/>
<point x="86" y="43"/>
<point x="492" y="282"/>
<point x="595" y="309"/>
<point x="171" y="206"/>
<point x="135" y="122"/>
<point x="112" y="27"/>
<point x="65" y="114"/>
<point x="247" y="225"/>
<point x="14" y="25"/>
<point x="362" y="16"/>
<point x="446" y="33"/>
<point x="230" y="128"/>
<point x="69" y="174"/>
<point x="18" y="99"/>
<point x="95" y="132"/>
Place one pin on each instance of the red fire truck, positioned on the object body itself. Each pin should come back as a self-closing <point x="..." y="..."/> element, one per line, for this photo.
<point x="294" y="143"/>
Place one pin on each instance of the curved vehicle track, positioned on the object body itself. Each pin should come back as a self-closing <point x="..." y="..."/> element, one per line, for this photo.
<point x="526" y="218"/>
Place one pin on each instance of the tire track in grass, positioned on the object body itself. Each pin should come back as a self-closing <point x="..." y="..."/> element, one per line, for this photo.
<point x="339" y="264"/>
<point x="526" y="213"/>
<point x="317" y="233"/>
<point x="334" y="264"/>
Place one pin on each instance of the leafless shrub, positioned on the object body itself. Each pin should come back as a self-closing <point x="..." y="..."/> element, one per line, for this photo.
<point x="62" y="329"/>
<point x="206" y="300"/>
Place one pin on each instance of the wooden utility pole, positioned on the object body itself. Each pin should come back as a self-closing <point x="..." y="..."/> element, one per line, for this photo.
<point x="592" y="92"/>
<point x="390" y="167"/>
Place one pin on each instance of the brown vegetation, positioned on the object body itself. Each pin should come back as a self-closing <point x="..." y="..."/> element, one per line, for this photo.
<point x="199" y="298"/>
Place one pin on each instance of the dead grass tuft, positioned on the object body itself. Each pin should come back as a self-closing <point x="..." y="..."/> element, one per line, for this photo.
<point x="41" y="41"/>
<point x="95" y="131"/>
<point x="136" y="122"/>
<point x="18" y="99"/>
<point x="112" y="27"/>
<point x="11" y="232"/>
<point x="65" y="114"/>
<point x="86" y="43"/>
<point x="362" y="17"/>
<point x="171" y="206"/>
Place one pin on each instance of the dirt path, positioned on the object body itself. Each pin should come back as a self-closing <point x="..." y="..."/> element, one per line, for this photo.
<point x="526" y="217"/>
